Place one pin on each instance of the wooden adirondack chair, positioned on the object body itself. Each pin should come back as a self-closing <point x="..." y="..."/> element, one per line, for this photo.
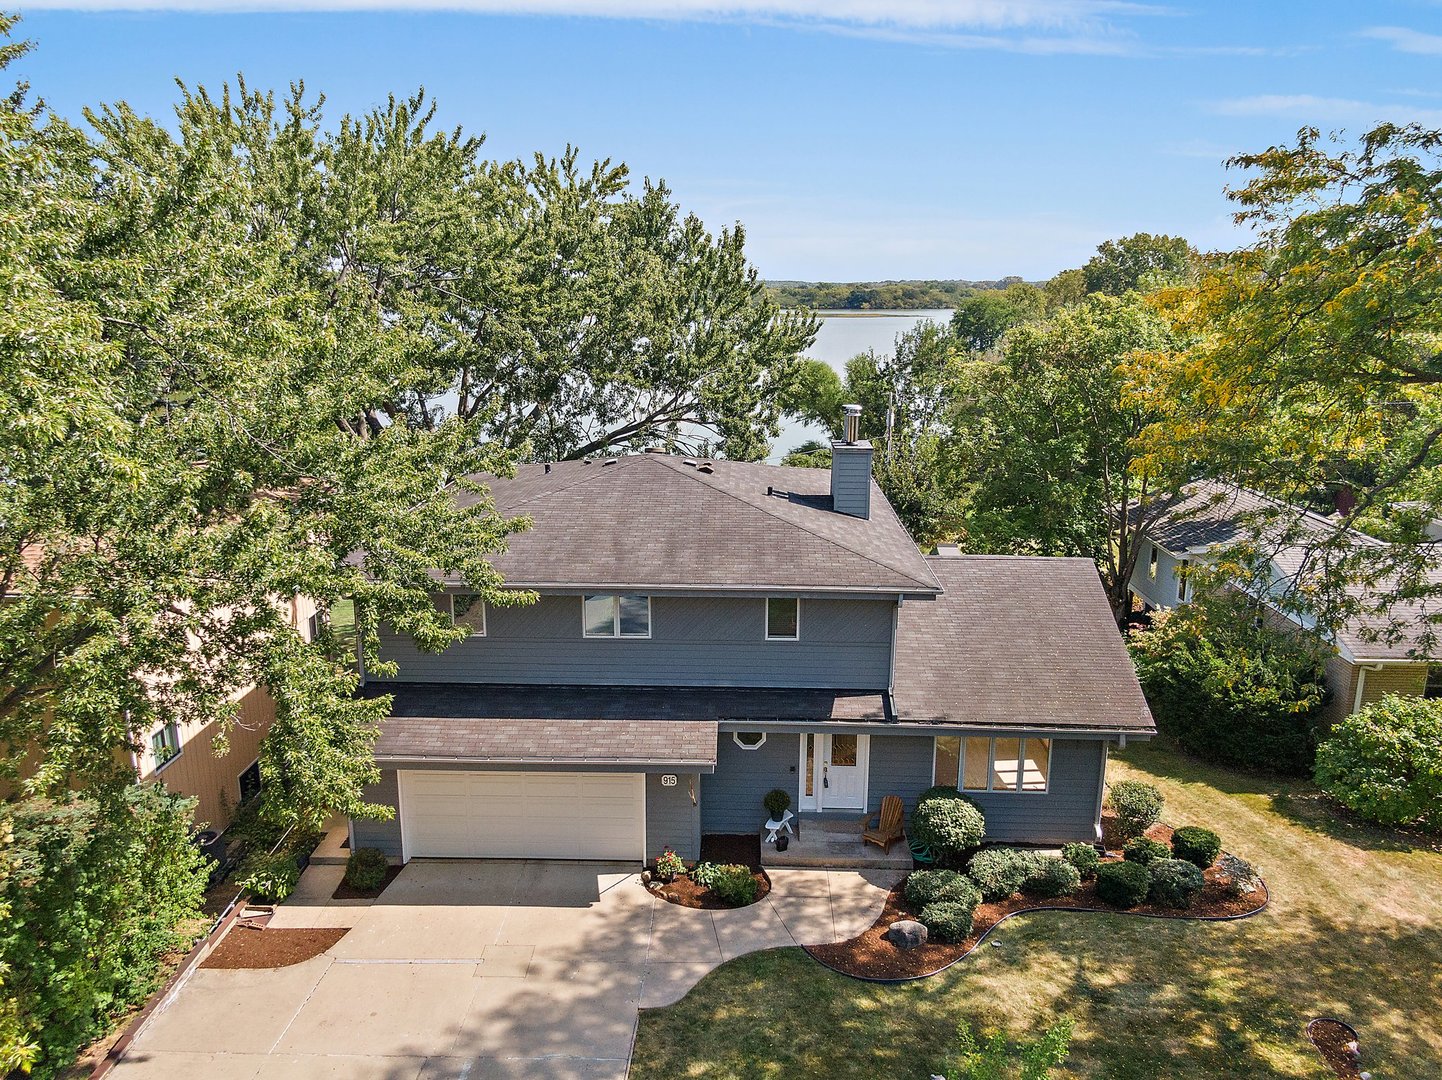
<point x="888" y="827"/>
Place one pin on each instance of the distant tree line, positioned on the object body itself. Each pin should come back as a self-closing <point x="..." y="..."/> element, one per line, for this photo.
<point x="878" y="295"/>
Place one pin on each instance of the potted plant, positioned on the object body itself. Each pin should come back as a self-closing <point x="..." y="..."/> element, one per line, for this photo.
<point x="777" y="802"/>
<point x="669" y="866"/>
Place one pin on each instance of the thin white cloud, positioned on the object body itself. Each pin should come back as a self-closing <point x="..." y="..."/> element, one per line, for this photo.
<point x="1314" y="109"/>
<point x="1406" y="40"/>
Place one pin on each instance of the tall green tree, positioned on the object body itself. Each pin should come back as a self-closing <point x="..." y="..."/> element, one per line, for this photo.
<point x="1048" y="438"/>
<point x="1309" y="361"/>
<point x="1139" y="262"/>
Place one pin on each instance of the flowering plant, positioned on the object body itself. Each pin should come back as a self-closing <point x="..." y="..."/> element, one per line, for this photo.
<point x="669" y="864"/>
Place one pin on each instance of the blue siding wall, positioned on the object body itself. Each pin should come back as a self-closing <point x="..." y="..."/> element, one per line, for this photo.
<point x="672" y="819"/>
<point x="731" y="796"/>
<point x="385" y="835"/>
<point x="851" y="478"/>
<point x="695" y="641"/>
<point x="901" y="765"/>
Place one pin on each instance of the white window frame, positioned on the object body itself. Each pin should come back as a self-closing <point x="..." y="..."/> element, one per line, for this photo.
<point x="615" y="634"/>
<point x="1152" y="559"/>
<point x="736" y="738"/>
<point x="174" y="731"/>
<point x="241" y="776"/>
<point x="991" y="764"/>
<point x="793" y="637"/>
<point x="451" y="603"/>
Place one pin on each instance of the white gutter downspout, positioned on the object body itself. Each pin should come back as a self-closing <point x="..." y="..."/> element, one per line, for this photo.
<point x="1362" y="670"/>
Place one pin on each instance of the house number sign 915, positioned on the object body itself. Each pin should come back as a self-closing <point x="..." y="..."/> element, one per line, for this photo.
<point x="668" y="781"/>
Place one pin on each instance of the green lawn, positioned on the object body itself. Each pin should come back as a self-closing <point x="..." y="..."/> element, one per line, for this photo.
<point x="1354" y="930"/>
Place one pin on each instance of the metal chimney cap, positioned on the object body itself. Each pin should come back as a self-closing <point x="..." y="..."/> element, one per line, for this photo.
<point x="851" y="410"/>
<point x="850" y="423"/>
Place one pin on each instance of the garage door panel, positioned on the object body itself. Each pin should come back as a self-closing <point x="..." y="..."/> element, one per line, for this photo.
<point x="523" y="815"/>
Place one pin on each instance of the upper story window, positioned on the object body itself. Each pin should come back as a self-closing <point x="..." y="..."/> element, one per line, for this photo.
<point x="981" y="764"/>
<point x="1152" y="562"/>
<point x="1181" y="573"/>
<point x="609" y="616"/>
<point x="783" y="618"/>
<point x="164" y="746"/>
<point x="469" y="610"/>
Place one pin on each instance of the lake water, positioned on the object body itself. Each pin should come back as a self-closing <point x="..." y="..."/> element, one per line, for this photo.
<point x="844" y="334"/>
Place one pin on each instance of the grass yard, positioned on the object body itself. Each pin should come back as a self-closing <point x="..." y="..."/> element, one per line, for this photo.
<point x="1354" y="930"/>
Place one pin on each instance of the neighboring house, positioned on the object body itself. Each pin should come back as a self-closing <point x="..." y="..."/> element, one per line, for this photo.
<point x="1208" y="516"/>
<point x="709" y="630"/>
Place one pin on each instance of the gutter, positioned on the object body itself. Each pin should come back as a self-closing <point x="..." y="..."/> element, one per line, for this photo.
<point x="883" y="727"/>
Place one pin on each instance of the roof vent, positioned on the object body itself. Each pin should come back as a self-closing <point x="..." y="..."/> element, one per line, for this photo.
<point x="609" y="461"/>
<point x="585" y="461"/>
<point x="689" y="461"/>
<point x="548" y="468"/>
<point x="655" y="449"/>
<point x="705" y="467"/>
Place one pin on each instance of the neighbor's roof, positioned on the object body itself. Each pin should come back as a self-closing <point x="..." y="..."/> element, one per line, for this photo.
<point x="651" y="521"/>
<point x="1209" y="514"/>
<point x="1016" y="641"/>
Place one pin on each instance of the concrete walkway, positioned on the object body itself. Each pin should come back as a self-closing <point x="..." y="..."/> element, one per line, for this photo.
<point x="480" y="970"/>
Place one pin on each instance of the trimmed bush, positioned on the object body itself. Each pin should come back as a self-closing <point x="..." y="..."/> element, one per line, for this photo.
<point x="1175" y="883"/>
<point x="1138" y="806"/>
<point x="1385" y="762"/>
<point x="268" y="877"/>
<point x="734" y="885"/>
<point x="925" y="887"/>
<point x="1051" y="877"/>
<point x="949" y="827"/>
<point x="1231" y="691"/>
<point x="948" y="920"/>
<point x="1123" y="884"/>
<point x="1196" y="845"/>
<point x="1084" y="857"/>
<point x="1241" y="877"/>
<point x="1139" y="849"/>
<point x="366" y="868"/>
<point x="999" y="872"/>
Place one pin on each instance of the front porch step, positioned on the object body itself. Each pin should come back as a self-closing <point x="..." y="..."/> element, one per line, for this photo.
<point x="833" y="845"/>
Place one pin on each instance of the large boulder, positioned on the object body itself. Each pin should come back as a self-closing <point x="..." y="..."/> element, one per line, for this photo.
<point x="906" y="934"/>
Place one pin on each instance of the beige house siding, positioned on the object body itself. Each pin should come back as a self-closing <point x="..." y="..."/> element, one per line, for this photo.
<point x="1407" y="680"/>
<point x="201" y="770"/>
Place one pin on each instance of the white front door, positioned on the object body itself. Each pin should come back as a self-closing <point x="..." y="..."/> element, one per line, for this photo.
<point x="834" y="771"/>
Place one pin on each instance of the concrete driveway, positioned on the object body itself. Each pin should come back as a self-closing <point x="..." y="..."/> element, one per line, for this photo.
<point x="477" y="970"/>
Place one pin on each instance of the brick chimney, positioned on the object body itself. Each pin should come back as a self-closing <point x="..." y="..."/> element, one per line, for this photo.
<point x="851" y="467"/>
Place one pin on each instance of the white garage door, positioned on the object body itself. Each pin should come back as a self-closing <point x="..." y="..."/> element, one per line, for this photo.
<point x="523" y="815"/>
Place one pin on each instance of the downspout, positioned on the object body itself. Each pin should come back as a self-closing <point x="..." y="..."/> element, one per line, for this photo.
<point x="1362" y="670"/>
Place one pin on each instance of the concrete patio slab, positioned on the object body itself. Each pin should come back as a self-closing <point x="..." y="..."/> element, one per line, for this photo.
<point x="800" y="882"/>
<point x="807" y="918"/>
<point x="746" y="930"/>
<point x="683" y="935"/>
<point x="338" y="1067"/>
<point x="266" y="999"/>
<point x="666" y="984"/>
<point x="179" y="1065"/>
<point x="505" y="961"/>
<point x="558" y="1068"/>
<point x="390" y="1010"/>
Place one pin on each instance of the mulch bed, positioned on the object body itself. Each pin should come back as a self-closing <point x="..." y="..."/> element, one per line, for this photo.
<point x="344" y="891"/>
<point x="743" y="848"/>
<point x="871" y="956"/>
<point x="1335" y="1041"/>
<point x="245" y="948"/>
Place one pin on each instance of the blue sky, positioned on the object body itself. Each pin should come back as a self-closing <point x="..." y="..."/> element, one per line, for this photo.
<point x="855" y="139"/>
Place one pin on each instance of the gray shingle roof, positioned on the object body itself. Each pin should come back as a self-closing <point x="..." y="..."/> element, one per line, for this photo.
<point x="1208" y="514"/>
<point x="1016" y="641"/>
<point x="651" y="521"/>
<point x="671" y="743"/>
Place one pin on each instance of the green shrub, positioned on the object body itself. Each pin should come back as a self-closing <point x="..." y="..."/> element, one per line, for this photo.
<point x="1196" y="845"/>
<point x="366" y="868"/>
<point x="1241" y="877"/>
<point x="949" y="827"/>
<point x="1052" y="877"/>
<point x="777" y="802"/>
<point x="268" y="877"/>
<point x="1175" y="883"/>
<point x="1123" y="884"/>
<point x="999" y="872"/>
<point x="98" y="894"/>
<point x="1385" y="762"/>
<point x="734" y="885"/>
<point x="948" y="920"/>
<point x="1231" y="691"/>
<point x="1138" y="806"/>
<point x="1140" y="849"/>
<point x="925" y="887"/>
<point x="704" y="874"/>
<point x="941" y="791"/>
<point x="1084" y="857"/>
